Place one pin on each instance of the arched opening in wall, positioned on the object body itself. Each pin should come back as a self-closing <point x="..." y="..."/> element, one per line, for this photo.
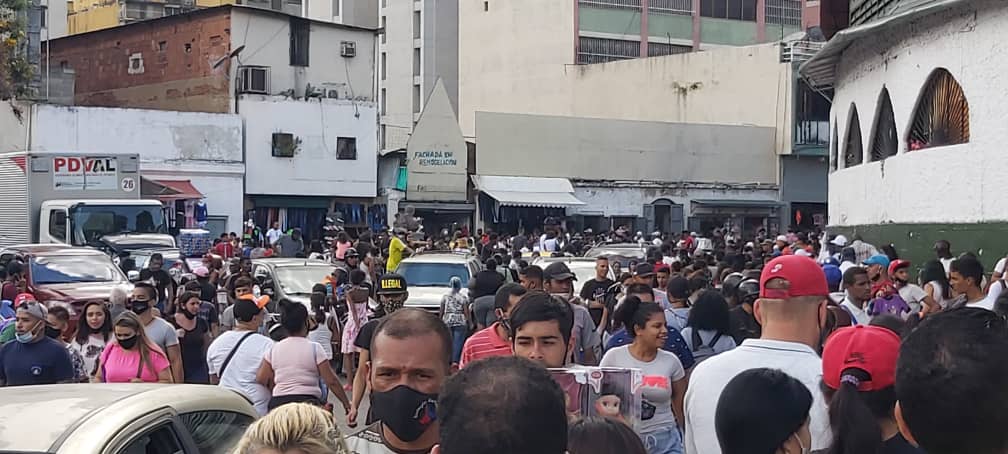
<point x="853" y="151"/>
<point x="884" y="141"/>
<point x="834" y="144"/>
<point x="942" y="114"/>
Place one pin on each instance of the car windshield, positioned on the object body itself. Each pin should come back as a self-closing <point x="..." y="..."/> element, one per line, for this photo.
<point x="170" y="261"/>
<point x="299" y="280"/>
<point x="73" y="269"/>
<point x="419" y="274"/>
<point x="91" y="222"/>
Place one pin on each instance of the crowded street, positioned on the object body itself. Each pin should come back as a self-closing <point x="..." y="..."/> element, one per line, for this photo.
<point x="503" y="227"/>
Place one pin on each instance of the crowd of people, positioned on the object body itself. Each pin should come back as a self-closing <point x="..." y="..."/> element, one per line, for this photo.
<point x="795" y="344"/>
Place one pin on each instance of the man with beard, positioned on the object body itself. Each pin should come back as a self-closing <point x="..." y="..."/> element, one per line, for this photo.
<point x="392" y="295"/>
<point x="899" y="272"/>
<point x="411" y="359"/>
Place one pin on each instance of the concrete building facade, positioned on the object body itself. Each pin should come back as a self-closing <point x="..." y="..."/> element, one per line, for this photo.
<point x="418" y="47"/>
<point x="915" y="127"/>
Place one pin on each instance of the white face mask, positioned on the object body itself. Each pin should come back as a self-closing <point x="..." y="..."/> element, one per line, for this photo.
<point x="804" y="450"/>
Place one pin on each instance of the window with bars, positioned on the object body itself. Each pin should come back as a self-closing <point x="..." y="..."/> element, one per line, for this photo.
<point x="658" y="49"/>
<point x="942" y="114"/>
<point x="729" y="9"/>
<point x="853" y="151"/>
<point x="613" y="4"/>
<point x="784" y="12"/>
<point x="684" y="7"/>
<point x="884" y="142"/>
<point x="601" y="50"/>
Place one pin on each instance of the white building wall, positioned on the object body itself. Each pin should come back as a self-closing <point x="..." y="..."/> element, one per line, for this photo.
<point x="268" y="44"/>
<point x="955" y="184"/>
<point x="518" y="57"/>
<point x="204" y="148"/>
<point x="396" y="78"/>
<point x="630" y="201"/>
<point x="314" y="169"/>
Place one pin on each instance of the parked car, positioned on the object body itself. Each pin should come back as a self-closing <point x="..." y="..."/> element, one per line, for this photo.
<point x="123" y="419"/>
<point x="582" y="267"/>
<point x="174" y="262"/>
<point x="623" y="253"/>
<point x="289" y="278"/>
<point x="66" y="275"/>
<point x="428" y="275"/>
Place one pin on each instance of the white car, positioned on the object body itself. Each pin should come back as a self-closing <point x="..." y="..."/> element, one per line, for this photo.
<point x="122" y="419"/>
<point x="582" y="267"/>
<point x="428" y="275"/>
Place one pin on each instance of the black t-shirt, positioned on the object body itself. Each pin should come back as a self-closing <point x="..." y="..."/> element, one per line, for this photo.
<point x="592" y="290"/>
<point x="899" y="445"/>
<point x="208" y="292"/>
<point x="193" y="354"/>
<point x="162" y="281"/>
<point x="363" y="339"/>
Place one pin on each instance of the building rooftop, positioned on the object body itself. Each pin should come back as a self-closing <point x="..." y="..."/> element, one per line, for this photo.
<point x="183" y="17"/>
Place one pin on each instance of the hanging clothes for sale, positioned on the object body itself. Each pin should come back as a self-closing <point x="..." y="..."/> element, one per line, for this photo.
<point x="200" y="213"/>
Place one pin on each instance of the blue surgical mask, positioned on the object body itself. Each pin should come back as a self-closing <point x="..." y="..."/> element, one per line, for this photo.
<point x="26" y="337"/>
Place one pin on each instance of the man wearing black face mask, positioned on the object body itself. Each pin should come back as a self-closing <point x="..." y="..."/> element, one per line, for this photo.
<point x="158" y="331"/>
<point x="410" y="360"/>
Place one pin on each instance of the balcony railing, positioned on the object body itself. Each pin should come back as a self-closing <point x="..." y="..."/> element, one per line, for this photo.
<point x="799" y="51"/>
<point x="812" y="132"/>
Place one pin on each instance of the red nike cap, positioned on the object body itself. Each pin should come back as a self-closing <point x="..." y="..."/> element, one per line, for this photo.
<point x="871" y="349"/>
<point x="803" y="275"/>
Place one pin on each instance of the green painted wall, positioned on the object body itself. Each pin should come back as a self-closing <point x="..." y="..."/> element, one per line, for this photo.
<point x="916" y="241"/>
<point x="775" y="32"/>
<point x="675" y="25"/>
<point x="603" y="20"/>
<point x="727" y="31"/>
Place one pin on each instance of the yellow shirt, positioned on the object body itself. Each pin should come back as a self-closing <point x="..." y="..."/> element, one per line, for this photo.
<point x="395" y="251"/>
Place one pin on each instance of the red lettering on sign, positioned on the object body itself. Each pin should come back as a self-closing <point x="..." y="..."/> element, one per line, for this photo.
<point x="89" y="165"/>
<point x="74" y="164"/>
<point x="59" y="163"/>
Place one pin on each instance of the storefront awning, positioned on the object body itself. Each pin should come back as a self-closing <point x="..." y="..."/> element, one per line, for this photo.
<point x="439" y="206"/>
<point x="737" y="203"/>
<point x="528" y="191"/>
<point x="169" y="190"/>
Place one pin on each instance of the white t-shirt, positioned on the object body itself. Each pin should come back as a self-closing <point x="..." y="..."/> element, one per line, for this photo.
<point x="710" y="377"/>
<point x="947" y="263"/>
<point x="860" y="315"/>
<point x="988" y="302"/>
<point x="846" y="266"/>
<point x="913" y="295"/>
<point x="1000" y="266"/>
<point x="658" y="376"/>
<point x="90" y="351"/>
<point x="240" y="375"/>
<point x="273" y="235"/>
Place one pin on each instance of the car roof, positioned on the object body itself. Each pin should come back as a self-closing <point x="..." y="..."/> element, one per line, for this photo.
<point x="439" y="257"/>
<point x="42" y="417"/>
<point x="290" y="262"/>
<point x="51" y="249"/>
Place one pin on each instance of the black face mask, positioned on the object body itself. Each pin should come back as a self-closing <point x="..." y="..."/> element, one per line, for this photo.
<point x="188" y="315"/>
<point x="139" y="307"/>
<point x="129" y="342"/>
<point x="407" y="412"/>
<point x="52" y="332"/>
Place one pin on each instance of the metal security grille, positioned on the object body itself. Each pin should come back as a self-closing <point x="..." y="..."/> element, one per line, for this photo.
<point x="601" y="50"/>
<point x="615" y="4"/>
<point x="659" y="49"/>
<point x="684" y="7"/>
<point x="784" y="12"/>
<point x="942" y="114"/>
<point x="862" y="11"/>
<point x="853" y="152"/>
<point x="885" y="143"/>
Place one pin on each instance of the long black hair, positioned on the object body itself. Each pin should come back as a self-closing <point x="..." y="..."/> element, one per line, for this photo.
<point x="933" y="270"/>
<point x="293" y="317"/>
<point x="634" y="313"/>
<point x="603" y="436"/>
<point x="709" y="312"/>
<point x="84" y="330"/>
<point x="854" y="414"/>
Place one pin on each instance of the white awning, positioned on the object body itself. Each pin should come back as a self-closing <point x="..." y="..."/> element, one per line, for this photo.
<point x="528" y="191"/>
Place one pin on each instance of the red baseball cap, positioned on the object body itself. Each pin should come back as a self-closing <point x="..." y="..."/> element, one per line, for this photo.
<point x="804" y="277"/>
<point x="872" y="349"/>
<point x="22" y="298"/>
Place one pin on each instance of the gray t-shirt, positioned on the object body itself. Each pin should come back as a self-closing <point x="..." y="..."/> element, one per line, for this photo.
<point x="289" y="247"/>
<point x="584" y="332"/>
<point x="227" y="319"/>
<point x="483" y="309"/>
<point x="658" y="376"/>
<point x="161" y="333"/>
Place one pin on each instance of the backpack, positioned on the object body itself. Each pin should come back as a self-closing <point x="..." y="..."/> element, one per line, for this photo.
<point x="703" y="351"/>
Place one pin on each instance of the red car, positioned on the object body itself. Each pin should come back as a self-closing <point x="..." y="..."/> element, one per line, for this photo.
<point x="68" y="276"/>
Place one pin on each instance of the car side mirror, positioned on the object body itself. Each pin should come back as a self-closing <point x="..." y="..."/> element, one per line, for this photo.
<point x="133" y="275"/>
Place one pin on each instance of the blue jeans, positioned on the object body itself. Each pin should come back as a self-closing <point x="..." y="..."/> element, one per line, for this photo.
<point x="663" y="441"/>
<point x="458" y="340"/>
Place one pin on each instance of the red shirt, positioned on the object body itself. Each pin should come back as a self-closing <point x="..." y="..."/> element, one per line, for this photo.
<point x="484" y="344"/>
<point x="224" y="249"/>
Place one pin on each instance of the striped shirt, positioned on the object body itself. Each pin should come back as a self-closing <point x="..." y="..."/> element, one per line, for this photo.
<point x="484" y="344"/>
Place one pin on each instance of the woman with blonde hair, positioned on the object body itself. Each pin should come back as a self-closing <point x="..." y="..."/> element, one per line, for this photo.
<point x="293" y="428"/>
<point x="132" y="357"/>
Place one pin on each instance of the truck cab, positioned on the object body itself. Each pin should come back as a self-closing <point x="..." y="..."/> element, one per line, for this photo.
<point x="111" y="225"/>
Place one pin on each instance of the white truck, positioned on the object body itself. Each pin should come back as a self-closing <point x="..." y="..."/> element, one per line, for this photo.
<point x="78" y="199"/>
